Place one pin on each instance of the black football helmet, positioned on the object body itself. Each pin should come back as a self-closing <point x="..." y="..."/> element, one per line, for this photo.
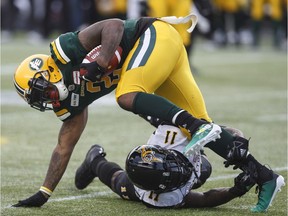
<point x="157" y="169"/>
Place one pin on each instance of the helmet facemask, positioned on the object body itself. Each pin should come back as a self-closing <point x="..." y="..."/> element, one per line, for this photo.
<point x="42" y="92"/>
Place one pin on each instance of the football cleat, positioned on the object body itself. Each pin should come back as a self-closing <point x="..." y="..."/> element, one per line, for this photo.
<point x="267" y="192"/>
<point x="205" y="134"/>
<point x="84" y="175"/>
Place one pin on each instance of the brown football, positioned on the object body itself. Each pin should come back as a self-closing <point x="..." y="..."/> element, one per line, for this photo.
<point x="114" y="62"/>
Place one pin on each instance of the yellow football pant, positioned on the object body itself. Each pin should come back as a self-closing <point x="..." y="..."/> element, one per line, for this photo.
<point x="178" y="8"/>
<point x="257" y="10"/>
<point x="158" y="63"/>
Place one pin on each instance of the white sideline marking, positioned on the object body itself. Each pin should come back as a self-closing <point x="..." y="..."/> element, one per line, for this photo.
<point x="104" y="193"/>
<point x="91" y="195"/>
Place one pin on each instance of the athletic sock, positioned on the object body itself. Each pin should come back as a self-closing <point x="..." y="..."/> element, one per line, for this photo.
<point x="260" y="172"/>
<point x="187" y="121"/>
<point x="220" y="146"/>
<point x="104" y="170"/>
<point x="156" y="106"/>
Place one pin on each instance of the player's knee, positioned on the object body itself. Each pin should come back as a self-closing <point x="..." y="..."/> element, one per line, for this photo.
<point x="126" y="101"/>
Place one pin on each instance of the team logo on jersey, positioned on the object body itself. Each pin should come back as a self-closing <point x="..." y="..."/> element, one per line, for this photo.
<point x="71" y="87"/>
<point x="148" y="156"/>
<point x="36" y="64"/>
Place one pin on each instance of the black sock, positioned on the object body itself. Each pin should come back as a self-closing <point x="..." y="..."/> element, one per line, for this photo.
<point x="260" y="172"/>
<point x="220" y="146"/>
<point x="104" y="170"/>
<point x="187" y="121"/>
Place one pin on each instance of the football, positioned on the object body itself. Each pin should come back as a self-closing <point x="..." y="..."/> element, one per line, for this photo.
<point x="114" y="62"/>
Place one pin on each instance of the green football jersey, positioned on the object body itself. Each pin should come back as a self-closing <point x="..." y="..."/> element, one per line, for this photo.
<point x="68" y="54"/>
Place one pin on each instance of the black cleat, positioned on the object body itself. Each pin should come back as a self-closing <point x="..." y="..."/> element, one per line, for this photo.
<point x="84" y="175"/>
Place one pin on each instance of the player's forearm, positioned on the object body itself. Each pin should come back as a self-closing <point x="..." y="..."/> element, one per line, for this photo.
<point x="69" y="135"/>
<point x="58" y="164"/>
<point x="111" y="36"/>
<point x="107" y="33"/>
<point x="211" y="198"/>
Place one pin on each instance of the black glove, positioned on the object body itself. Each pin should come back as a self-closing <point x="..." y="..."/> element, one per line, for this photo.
<point x="237" y="152"/>
<point x="36" y="200"/>
<point x="91" y="71"/>
<point x="242" y="184"/>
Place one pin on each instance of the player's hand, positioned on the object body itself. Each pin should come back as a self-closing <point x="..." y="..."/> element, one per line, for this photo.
<point x="37" y="200"/>
<point x="242" y="184"/>
<point x="92" y="72"/>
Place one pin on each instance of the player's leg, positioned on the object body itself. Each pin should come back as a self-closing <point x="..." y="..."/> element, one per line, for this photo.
<point x="257" y="19"/>
<point x="122" y="186"/>
<point x="181" y="89"/>
<point x="145" y="71"/>
<point x="84" y="175"/>
<point x="235" y="150"/>
<point x="109" y="173"/>
<point x="276" y="17"/>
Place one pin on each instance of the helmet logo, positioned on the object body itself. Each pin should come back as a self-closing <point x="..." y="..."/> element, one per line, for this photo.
<point x="36" y="64"/>
<point x="148" y="155"/>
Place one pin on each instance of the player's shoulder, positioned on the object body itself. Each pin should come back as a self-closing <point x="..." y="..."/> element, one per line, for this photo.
<point x="67" y="48"/>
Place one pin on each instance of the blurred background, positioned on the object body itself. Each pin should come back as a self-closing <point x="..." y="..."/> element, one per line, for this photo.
<point x="221" y="22"/>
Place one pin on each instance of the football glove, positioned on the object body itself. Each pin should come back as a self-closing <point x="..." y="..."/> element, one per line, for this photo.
<point x="92" y="72"/>
<point x="37" y="200"/>
<point x="237" y="152"/>
<point x="242" y="184"/>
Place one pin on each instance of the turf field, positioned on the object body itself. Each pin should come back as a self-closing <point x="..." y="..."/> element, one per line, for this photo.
<point x="243" y="88"/>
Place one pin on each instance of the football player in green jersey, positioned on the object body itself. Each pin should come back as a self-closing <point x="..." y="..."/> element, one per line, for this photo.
<point x="153" y="79"/>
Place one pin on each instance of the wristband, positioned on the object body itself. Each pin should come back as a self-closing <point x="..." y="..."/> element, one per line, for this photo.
<point x="46" y="190"/>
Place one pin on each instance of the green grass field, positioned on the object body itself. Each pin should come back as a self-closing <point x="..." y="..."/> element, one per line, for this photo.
<point x="242" y="88"/>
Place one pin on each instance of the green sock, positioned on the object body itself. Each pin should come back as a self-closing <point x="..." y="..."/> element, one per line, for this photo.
<point x="155" y="106"/>
<point x="159" y="107"/>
